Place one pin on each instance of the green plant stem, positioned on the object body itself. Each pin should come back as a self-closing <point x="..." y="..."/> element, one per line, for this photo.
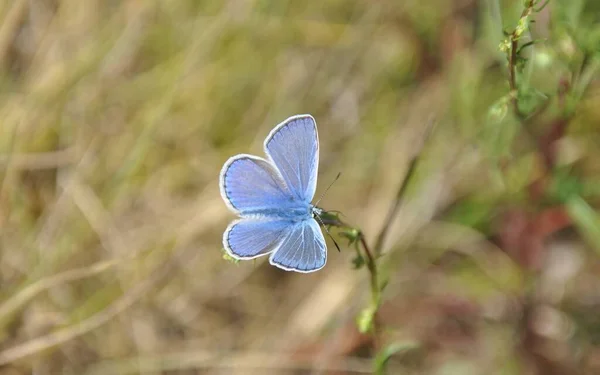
<point x="371" y="264"/>
<point x="372" y="267"/>
<point x="370" y="260"/>
<point x="512" y="69"/>
<point x="513" y="56"/>
<point x="394" y="209"/>
<point x="400" y="194"/>
<point x="375" y="293"/>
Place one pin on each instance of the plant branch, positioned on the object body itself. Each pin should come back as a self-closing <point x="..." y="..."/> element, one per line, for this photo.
<point x="357" y="237"/>
<point x="513" y="50"/>
<point x="372" y="267"/>
<point x="370" y="257"/>
<point x="513" y="55"/>
<point x="394" y="209"/>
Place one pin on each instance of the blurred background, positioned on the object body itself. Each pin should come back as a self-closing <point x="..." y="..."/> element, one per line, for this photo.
<point x="470" y="140"/>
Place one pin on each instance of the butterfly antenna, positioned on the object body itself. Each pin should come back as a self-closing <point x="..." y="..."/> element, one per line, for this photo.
<point x="327" y="231"/>
<point x="328" y="187"/>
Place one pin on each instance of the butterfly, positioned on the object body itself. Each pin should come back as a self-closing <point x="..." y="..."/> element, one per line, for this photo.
<point x="272" y="198"/>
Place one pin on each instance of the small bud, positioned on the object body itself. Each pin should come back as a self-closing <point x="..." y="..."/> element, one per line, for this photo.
<point x="521" y="27"/>
<point x="504" y="45"/>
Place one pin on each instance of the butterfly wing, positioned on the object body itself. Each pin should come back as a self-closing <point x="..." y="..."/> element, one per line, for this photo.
<point x="250" y="238"/>
<point x="302" y="250"/>
<point x="251" y="186"/>
<point x="273" y="198"/>
<point x="293" y="147"/>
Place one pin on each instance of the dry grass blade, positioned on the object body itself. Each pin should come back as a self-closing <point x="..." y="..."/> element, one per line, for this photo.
<point x="234" y="362"/>
<point x="19" y="299"/>
<point x="42" y="160"/>
<point x="10" y="25"/>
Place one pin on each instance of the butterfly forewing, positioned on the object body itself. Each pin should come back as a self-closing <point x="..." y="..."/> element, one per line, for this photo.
<point x="293" y="146"/>
<point x="251" y="186"/>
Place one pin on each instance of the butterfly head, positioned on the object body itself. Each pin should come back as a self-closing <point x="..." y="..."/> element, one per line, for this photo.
<point x="315" y="211"/>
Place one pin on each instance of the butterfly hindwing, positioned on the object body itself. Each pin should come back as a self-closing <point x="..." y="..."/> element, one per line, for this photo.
<point x="303" y="250"/>
<point x="251" y="238"/>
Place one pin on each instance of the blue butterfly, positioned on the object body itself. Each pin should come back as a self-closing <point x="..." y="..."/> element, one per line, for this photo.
<point x="273" y="198"/>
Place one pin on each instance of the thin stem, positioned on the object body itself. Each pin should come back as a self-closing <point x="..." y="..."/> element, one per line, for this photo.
<point x="372" y="267"/>
<point x="512" y="66"/>
<point x="543" y="6"/>
<point x="370" y="262"/>
<point x="513" y="57"/>
<point x="400" y="195"/>
<point x="375" y="292"/>
<point x="394" y="209"/>
<point x="373" y="273"/>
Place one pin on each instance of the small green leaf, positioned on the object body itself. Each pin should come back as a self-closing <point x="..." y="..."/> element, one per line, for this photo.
<point x="364" y="320"/>
<point x="229" y="258"/>
<point x="529" y="44"/>
<point x="352" y="234"/>
<point x="386" y="353"/>
<point x="358" y="261"/>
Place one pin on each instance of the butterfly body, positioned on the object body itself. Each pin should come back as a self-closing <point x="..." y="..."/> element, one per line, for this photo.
<point x="299" y="213"/>
<point x="273" y="198"/>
